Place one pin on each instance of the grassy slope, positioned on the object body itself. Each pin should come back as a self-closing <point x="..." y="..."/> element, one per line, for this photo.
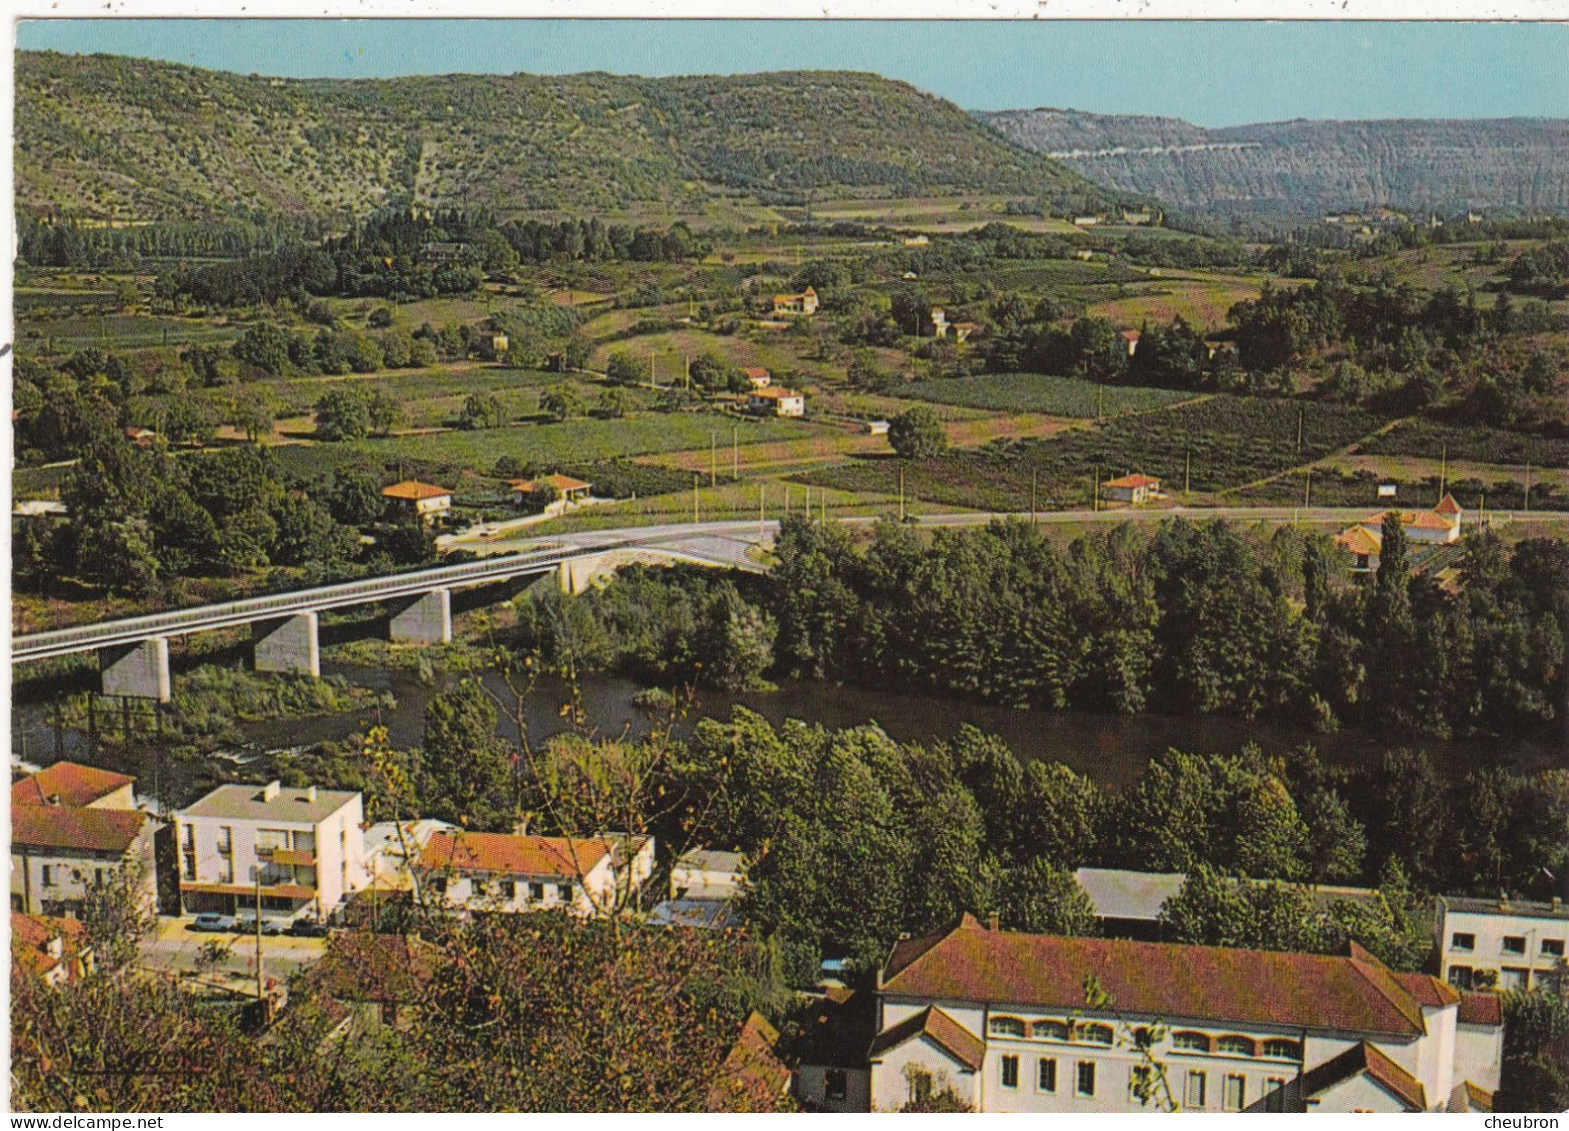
<point x="105" y="136"/>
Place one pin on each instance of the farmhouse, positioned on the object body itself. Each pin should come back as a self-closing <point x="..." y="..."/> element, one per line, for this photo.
<point x="797" y="305"/>
<point x="1132" y="489"/>
<point x="1085" y="221"/>
<point x="302" y="849"/>
<point x="774" y="401"/>
<point x="1130" y="340"/>
<point x="423" y="500"/>
<point x="1500" y="943"/>
<point x="756" y="376"/>
<point x="141" y="437"/>
<point x="1000" y="1019"/>
<point x="1441" y="525"/>
<point x="553" y="494"/>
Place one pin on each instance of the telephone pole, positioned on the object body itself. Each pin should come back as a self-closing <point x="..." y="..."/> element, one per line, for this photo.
<point x="694" y="498"/>
<point x="1187" y="473"/>
<point x="713" y="459"/>
<point x="1035" y="483"/>
<point x="1307" y="491"/>
<point x="1301" y="415"/>
<point x="901" y="494"/>
<point x="1095" y="492"/>
<point x="735" y="451"/>
<point x="261" y="994"/>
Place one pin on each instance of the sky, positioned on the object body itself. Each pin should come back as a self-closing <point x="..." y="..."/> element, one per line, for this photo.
<point x="1211" y="73"/>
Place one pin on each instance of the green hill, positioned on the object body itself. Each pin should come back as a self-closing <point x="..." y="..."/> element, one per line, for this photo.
<point x="130" y="140"/>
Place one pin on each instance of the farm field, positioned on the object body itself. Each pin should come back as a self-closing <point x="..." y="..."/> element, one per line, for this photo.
<point x="777" y="352"/>
<point x="1200" y="300"/>
<point x="1036" y="392"/>
<point x="933" y="213"/>
<point x="1232" y="441"/>
<point x="1476" y="443"/>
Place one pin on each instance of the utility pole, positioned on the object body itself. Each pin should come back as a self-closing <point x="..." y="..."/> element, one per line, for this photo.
<point x="1187" y="473"/>
<point x="901" y="494"/>
<point x="1527" y="505"/>
<point x="688" y="372"/>
<point x="1307" y="491"/>
<point x="735" y="451"/>
<point x="1301" y="414"/>
<point x="713" y="459"/>
<point x="1035" y="484"/>
<point x="1443" y="473"/>
<point x="807" y="509"/>
<point x="261" y="994"/>
<point x="1095" y="492"/>
<point x="762" y="513"/>
<point x="694" y="499"/>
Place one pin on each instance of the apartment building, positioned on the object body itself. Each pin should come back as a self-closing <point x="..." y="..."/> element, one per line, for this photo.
<point x="1005" y="1022"/>
<point x="1502" y="944"/>
<point x="302" y="849"/>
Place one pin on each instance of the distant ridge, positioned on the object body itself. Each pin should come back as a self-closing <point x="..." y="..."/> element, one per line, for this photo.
<point x="1303" y="168"/>
<point x="130" y="139"/>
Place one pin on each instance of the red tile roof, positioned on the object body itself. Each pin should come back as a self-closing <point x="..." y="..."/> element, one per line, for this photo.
<point x="753" y="371"/>
<point x="1428" y="990"/>
<point x="752" y="1078"/>
<point x="932" y="1022"/>
<point x="69" y="829"/>
<point x="32" y="934"/>
<point x="1129" y="335"/>
<point x="1365" y="1058"/>
<point x="1353" y="993"/>
<point x="67" y="783"/>
<point x="1360" y="540"/>
<point x="1480" y="1009"/>
<point x="414" y="490"/>
<point x="506" y="854"/>
<point x="1133" y="481"/>
<point x="1447" y="506"/>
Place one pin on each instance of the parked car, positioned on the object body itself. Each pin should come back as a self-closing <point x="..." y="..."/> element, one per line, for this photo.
<point x="308" y="929"/>
<point x="212" y="921"/>
<point x="247" y="924"/>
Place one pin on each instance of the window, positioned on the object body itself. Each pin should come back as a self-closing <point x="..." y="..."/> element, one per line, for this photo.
<point x="1096" y="1034"/>
<point x="1282" y="1049"/>
<point x="1143" y="1038"/>
<point x="48" y="875"/>
<point x="509" y="889"/>
<point x="921" y="1087"/>
<point x="1051" y="1030"/>
<point x="1514" y="944"/>
<point x="304" y="841"/>
<point x="270" y="840"/>
<point x="536" y="892"/>
<point x="1462" y="940"/>
<point x="225" y="854"/>
<point x="1084" y="1085"/>
<point x="1190" y="1042"/>
<point x="1197" y="1094"/>
<point x="1007" y="1027"/>
<point x="1514" y="978"/>
<point x="1010" y="1072"/>
<point x="1460" y="977"/>
<point x="1236" y="1093"/>
<point x="1234" y="1046"/>
<point x="1046" y="1074"/>
<point x="1552" y="948"/>
<point x="1275" y="1094"/>
<point x="439" y="885"/>
<point x="98" y="876"/>
<point x="836" y="1083"/>
<point x="189" y="854"/>
<point x="564" y="891"/>
<point x="1139" y="1086"/>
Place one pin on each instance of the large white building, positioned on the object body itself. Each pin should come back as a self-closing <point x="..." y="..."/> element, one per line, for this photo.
<point x="1502" y="944"/>
<point x="74" y="827"/>
<point x="509" y="872"/>
<point x="1005" y="1022"/>
<point x="306" y="846"/>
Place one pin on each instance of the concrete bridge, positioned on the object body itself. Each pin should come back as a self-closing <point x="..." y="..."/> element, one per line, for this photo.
<point x="134" y="653"/>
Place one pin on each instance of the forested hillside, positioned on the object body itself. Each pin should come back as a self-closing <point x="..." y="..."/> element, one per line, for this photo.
<point x="1303" y="168"/>
<point x="128" y="139"/>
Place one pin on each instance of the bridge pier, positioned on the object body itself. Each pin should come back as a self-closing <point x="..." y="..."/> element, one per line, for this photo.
<point x="426" y="620"/>
<point x="137" y="671"/>
<point x="289" y="645"/>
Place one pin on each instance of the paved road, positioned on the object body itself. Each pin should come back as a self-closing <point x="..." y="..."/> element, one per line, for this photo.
<point x="175" y="948"/>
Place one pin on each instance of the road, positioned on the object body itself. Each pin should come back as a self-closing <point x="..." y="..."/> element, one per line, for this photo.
<point x="175" y="948"/>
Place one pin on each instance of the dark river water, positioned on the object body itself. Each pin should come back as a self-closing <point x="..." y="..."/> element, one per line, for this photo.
<point x="1110" y="749"/>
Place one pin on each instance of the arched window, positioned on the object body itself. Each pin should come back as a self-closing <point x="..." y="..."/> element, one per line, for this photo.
<point x="1007" y="1027"/>
<point x="1190" y="1041"/>
<point x="1233" y="1045"/>
<point x="1051" y="1030"/>
<point x="1096" y="1034"/>
<point x="1282" y="1049"/>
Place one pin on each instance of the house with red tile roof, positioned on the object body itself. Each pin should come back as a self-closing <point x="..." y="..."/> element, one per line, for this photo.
<point x="802" y="305"/>
<point x="71" y="783"/>
<point x="1041" y="1023"/>
<point x="51" y="949"/>
<point x="511" y="872"/>
<point x="752" y="1077"/>
<point x="423" y="500"/>
<point x="60" y="852"/>
<point x="774" y="400"/>
<point x="551" y="494"/>
<point x="1131" y="489"/>
<point x="1441" y="525"/>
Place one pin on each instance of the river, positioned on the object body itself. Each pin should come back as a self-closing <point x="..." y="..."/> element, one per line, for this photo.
<point x="1112" y="749"/>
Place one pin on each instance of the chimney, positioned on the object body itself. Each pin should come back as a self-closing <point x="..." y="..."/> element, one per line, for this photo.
<point x="270" y="790"/>
<point x="310" y="793"/>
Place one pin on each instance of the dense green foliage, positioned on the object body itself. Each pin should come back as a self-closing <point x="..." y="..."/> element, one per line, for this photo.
<point x="1034" y="392"/>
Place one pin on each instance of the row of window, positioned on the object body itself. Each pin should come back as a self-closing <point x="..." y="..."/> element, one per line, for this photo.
<point x="1234" y="1089"/>
<point x="1465" y="941"/>
<point x="506" y="889"/>
<point x="55" y="875"/>
<point x="1095" y="1033"/>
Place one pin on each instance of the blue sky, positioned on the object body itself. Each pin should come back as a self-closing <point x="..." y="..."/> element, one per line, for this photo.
<point x="1214" y="73"/>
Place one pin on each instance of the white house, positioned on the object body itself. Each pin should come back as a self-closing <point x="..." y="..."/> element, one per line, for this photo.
<point x="774" y="401"/>
<point x="74" y="827"/>
<point x="393" y="850"/>
<point x="1004" y="1021"/>
<point x="305" y="846"/>
<point x="510" y="872"/>
<point x="1507" y="944"/>
<point x="423" y="500"/>
<point x="1364" y="541"/>
<point x="1132" y="489"/>
<point x="757" y="376"/>
<point x="705" y="873"/>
